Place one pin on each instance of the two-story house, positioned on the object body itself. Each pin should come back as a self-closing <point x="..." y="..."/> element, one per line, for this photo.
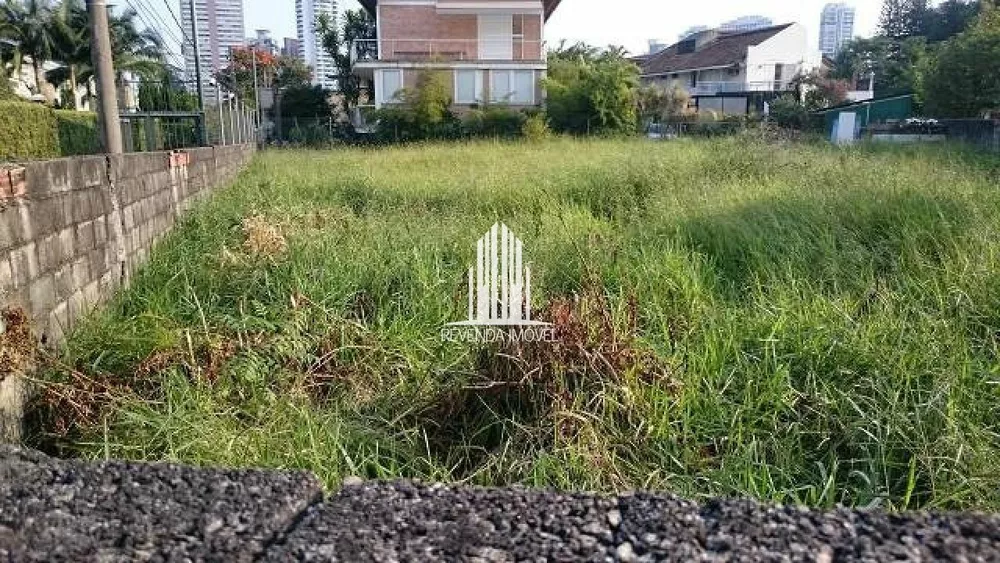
<point x="491" y="51"/>
<point x="734" y="73"/>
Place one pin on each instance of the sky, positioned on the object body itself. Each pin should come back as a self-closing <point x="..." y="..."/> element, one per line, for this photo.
<point x="631" y="23"/>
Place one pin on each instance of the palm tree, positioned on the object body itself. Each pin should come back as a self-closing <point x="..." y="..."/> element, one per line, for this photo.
<point x="132" y="50"/>
<point x="28" y="24"/>
<point x="71" y="46"/>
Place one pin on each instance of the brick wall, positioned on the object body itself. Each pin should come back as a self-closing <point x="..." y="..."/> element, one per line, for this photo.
<point x="418" y="32"/>
<point x="73" y="230"/>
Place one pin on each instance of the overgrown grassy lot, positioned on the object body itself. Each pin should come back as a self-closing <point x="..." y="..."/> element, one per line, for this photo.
<point x="790" y="322"/>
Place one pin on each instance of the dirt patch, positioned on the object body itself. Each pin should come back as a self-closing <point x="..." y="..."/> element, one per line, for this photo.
<point x="536" y="395"/>
<point x="18" y="346"/>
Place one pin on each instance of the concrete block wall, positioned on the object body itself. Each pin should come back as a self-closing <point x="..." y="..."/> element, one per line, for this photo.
<point x="73" y="230"/>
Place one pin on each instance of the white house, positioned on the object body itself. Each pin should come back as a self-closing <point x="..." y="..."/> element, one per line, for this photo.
<point x="734" y="73"/>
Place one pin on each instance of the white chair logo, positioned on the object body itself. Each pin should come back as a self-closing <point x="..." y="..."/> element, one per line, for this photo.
<point x="500" y="290"/>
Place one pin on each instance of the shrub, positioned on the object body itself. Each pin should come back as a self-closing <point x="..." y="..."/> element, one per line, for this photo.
<point x="786" y="111"/>
<point x="535" y="128"/>
<point x="596" y="95"/>
<point x="32" y="131"/>
<point x="77" y="132"/>
<point x="27" y="131"/>
<point x="493" y="121"/>
<point x="423" y="113"/>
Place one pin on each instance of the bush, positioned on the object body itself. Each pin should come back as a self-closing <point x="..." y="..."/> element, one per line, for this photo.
<point x="27" y="131"/>
<point x="596" y="95"/>
<point x="77" y="132"/>
<point x="535" y="128"/>
<point x="493" y="122"/>
<point x="787" y="112"/>
<point x="31" y="131"/>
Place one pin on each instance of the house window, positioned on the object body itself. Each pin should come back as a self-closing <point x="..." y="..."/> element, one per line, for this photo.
<point x="694" y="79"/>
<point x="512" y="86"/>
<point x="518" y="26"/>
<point x="468" y="86"/>
<point x="779" y="70"/>
<point x="390" y="83"/>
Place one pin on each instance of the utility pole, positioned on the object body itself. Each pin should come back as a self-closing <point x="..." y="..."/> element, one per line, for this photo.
<point x="197" y="73"/>
<point x="256" y="90"/>
<point x="111" y="131"/>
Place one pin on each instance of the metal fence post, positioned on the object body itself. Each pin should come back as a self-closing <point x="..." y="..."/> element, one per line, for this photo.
<point x="232" y="119"/>
<point x="149" y="124"/>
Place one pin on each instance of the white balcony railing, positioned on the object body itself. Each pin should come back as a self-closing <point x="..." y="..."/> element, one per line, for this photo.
<point x="449" y="50"/>
<point x="727" y="87"/>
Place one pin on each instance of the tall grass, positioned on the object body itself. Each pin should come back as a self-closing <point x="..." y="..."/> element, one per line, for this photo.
<point x="793" y="323"/>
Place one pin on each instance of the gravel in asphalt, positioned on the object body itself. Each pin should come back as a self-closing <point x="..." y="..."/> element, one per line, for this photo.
<point x="52" y="510"/>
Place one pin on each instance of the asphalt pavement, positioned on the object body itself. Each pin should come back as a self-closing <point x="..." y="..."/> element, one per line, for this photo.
<point x="68" y="510"/>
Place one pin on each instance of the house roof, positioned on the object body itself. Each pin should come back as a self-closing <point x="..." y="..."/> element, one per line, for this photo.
<point x="725" y="50"/>
<point x="549" y="5"/>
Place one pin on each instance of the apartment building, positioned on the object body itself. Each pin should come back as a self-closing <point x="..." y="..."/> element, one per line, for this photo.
<point x="836" y="28"/>
<point x="310" y="44"/>
<point x="220" y="29"/>
<point x="492" y="51"/>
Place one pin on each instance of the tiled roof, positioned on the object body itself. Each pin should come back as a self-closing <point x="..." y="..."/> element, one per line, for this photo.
<point x="725" y="50"/>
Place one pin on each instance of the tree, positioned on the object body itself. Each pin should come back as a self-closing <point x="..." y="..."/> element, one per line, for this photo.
<point x="963" y="80"/>
<point x="895" y="63"/>
<point x="306" y="101"/>
<point x="290" y="74"/>
<point x="238" y="76"/>
<point x="948" y="19"/>
<point x="591" y="91"/>
<point x="28" y="24"/>
<point x="819" y="92"/>
<point x="656" y="103"/>
<point x="902" y="18"/>
<point x="357" y="25"/>
<point x="133" y="50"/>
<point x="71" y="45"/>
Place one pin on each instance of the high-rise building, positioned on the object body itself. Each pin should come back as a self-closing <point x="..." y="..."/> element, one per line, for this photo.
<point x="746" y="23"/>
<point x="263" y="42"/>
<point x="836" y="28"/>
<point x="691" y="31"/>
<point x="738" y="25"/>
<point x="290" y="48"/>
<point x="220" y="29"/>
<point x="310" y="44"/>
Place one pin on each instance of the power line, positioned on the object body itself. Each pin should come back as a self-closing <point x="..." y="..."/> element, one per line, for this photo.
<point x="170" y="10"/>
<point x="162" y="21"/>
<point x="155" y="28"/>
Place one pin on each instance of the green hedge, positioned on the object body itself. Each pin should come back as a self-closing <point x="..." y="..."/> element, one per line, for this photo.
<point x="78" y="132"/>
<point x="31" y="131"/>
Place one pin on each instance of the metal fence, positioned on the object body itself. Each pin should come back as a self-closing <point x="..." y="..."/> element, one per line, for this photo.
<point x="165" y="115"/>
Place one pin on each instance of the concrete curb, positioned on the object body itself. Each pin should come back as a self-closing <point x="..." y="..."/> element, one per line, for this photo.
<point x="55" y="510"/>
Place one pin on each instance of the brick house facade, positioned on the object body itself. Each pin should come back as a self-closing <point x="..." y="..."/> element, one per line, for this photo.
<point x="490" y="51"/>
